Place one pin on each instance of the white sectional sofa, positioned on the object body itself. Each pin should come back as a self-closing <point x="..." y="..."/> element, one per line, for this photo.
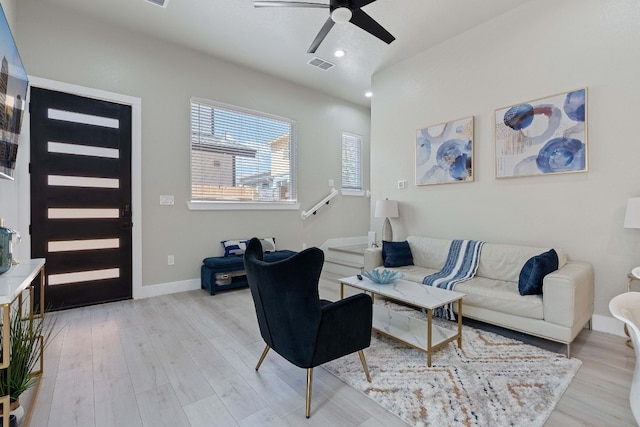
<point x="492" y="295"/>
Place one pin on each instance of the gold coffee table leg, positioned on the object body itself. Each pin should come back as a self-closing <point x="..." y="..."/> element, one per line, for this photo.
<point x="460" y="323"/>
<point x="429" y="324"/>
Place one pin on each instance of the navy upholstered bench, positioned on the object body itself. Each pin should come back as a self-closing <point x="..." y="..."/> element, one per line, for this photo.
<point x="221" y="273"/>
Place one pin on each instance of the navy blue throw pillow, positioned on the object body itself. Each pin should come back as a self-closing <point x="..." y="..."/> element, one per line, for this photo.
<point x="396" y="254"/>
<point x="534" y="270"/>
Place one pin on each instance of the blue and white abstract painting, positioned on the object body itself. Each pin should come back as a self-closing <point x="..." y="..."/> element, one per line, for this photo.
<point x="444" y="153"/>
<point x="541" y="137"/>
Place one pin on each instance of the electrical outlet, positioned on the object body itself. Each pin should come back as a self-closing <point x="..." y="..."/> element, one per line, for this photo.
<point x="330" y="183"/>
<point x="402" y="184"/>
<point x="171" y="260"/>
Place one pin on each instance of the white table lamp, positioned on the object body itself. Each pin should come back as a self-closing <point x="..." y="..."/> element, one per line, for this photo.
<point x="387" y="209"/>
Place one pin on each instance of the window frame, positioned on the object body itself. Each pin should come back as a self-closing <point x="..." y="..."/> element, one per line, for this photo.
<point x="196" y="204"/>
<point x="352" y="191"/>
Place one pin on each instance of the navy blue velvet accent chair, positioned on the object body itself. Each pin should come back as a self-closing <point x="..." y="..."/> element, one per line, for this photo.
<point x="295" y="322"/>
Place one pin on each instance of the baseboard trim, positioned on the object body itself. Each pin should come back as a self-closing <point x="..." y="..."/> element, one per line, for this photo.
<point x="607" y="324"/>
<point x="167" y="288"/>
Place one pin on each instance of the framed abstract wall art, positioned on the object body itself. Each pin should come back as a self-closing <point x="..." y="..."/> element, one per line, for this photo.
<point x="444" y="153"/>
<point x="542" y="137"/>
<point x="13" y="93"/>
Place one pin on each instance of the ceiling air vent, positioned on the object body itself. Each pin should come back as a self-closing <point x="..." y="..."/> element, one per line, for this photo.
<point x="321" y="63"/>
<point x="161" y="3"/>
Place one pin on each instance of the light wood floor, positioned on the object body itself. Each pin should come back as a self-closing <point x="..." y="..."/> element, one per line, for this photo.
<point x="188" y="359"/>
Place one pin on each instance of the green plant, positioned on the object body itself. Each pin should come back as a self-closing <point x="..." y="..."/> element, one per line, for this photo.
<point x="27" y="337"/>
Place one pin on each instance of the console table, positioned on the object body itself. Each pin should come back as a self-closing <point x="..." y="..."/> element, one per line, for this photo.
<point x="13" y="284"/>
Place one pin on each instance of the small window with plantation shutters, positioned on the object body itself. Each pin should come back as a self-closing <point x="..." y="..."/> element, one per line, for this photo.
<point x="351" y="162"/>
<point x="240" y="155"/>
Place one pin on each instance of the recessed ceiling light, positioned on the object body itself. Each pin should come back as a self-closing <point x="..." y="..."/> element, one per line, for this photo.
<point x="368" y="94"/>
<point x="339" y="53"/>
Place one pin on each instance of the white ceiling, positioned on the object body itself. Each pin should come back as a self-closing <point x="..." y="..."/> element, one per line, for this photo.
<point x="275" y="40"/>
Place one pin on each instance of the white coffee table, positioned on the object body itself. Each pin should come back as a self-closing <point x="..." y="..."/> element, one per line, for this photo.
<point x="414" y="332"/>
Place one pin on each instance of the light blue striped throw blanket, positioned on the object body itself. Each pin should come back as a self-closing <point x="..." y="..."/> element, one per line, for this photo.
<point x="461" y="264"/>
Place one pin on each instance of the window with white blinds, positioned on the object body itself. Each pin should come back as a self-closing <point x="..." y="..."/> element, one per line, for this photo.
<point x="351" y="161"/>
<point x="240" y="155"/>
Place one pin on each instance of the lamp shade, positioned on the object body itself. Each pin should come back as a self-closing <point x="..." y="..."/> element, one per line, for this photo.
<point x="632" y="216"/>
<point x="387" y="209"/>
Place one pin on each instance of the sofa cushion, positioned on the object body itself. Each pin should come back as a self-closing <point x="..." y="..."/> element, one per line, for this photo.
<point x="268" y="244"/>
<point x="504" y="262"/>
<point x="500" y="296"/>
<point x="534" y="270"/>
<point x="234" y="247"/>
<point x="429" y="252"/>
<point x="396" y="254"/>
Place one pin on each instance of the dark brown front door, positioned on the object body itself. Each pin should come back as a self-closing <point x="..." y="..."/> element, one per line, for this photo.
<point x="81" y="197"/>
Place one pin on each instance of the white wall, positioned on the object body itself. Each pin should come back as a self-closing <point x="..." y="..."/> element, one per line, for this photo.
<point x="9" y="7"/>
<point x="543" y="48"/>
<point x="59" y="45"/>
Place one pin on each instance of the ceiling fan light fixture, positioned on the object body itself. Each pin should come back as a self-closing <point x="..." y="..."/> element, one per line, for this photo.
<point x="341" y="15"/>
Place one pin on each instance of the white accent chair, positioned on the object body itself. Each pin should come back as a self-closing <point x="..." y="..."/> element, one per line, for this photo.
<point x="626" y="307"/>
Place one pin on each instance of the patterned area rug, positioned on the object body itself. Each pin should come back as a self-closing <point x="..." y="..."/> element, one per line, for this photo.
<point x="491" y="381"/>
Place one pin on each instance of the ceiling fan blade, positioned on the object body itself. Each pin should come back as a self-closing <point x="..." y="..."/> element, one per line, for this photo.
<point x="357" y="4"/>
<point x="321" y="35"/>
<point x="367" y="23"/>
<point x="289" y="4"/>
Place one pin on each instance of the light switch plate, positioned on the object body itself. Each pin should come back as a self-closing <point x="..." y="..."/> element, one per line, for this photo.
<point x="167" y="200"/>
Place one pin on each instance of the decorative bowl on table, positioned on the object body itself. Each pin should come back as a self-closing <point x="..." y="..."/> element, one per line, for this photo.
<point x="383" y="277"/>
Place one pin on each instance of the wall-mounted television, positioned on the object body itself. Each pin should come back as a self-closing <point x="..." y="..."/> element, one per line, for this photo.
<point x="13" y="94"/>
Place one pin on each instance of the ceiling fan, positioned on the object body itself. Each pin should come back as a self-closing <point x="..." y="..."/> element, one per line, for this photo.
<point x="341" y="11"/>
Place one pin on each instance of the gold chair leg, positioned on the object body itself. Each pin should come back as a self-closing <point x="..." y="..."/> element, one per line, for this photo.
<point x="309" y="381"/>
<point x="364" y="365"/>
<point x="264" y="354"/>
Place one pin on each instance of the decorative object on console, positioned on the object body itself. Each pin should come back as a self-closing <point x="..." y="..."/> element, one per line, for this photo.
<point x="543" y="136"/>
<point x="387" y="209"/>
<point x="534" y="270"/>
<point x="13" y="93"/>
<point x="396" y="254"/>
<point x="384" y="277"/>
<point x="444" y="153"/>
<point x="6" y="247"/>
